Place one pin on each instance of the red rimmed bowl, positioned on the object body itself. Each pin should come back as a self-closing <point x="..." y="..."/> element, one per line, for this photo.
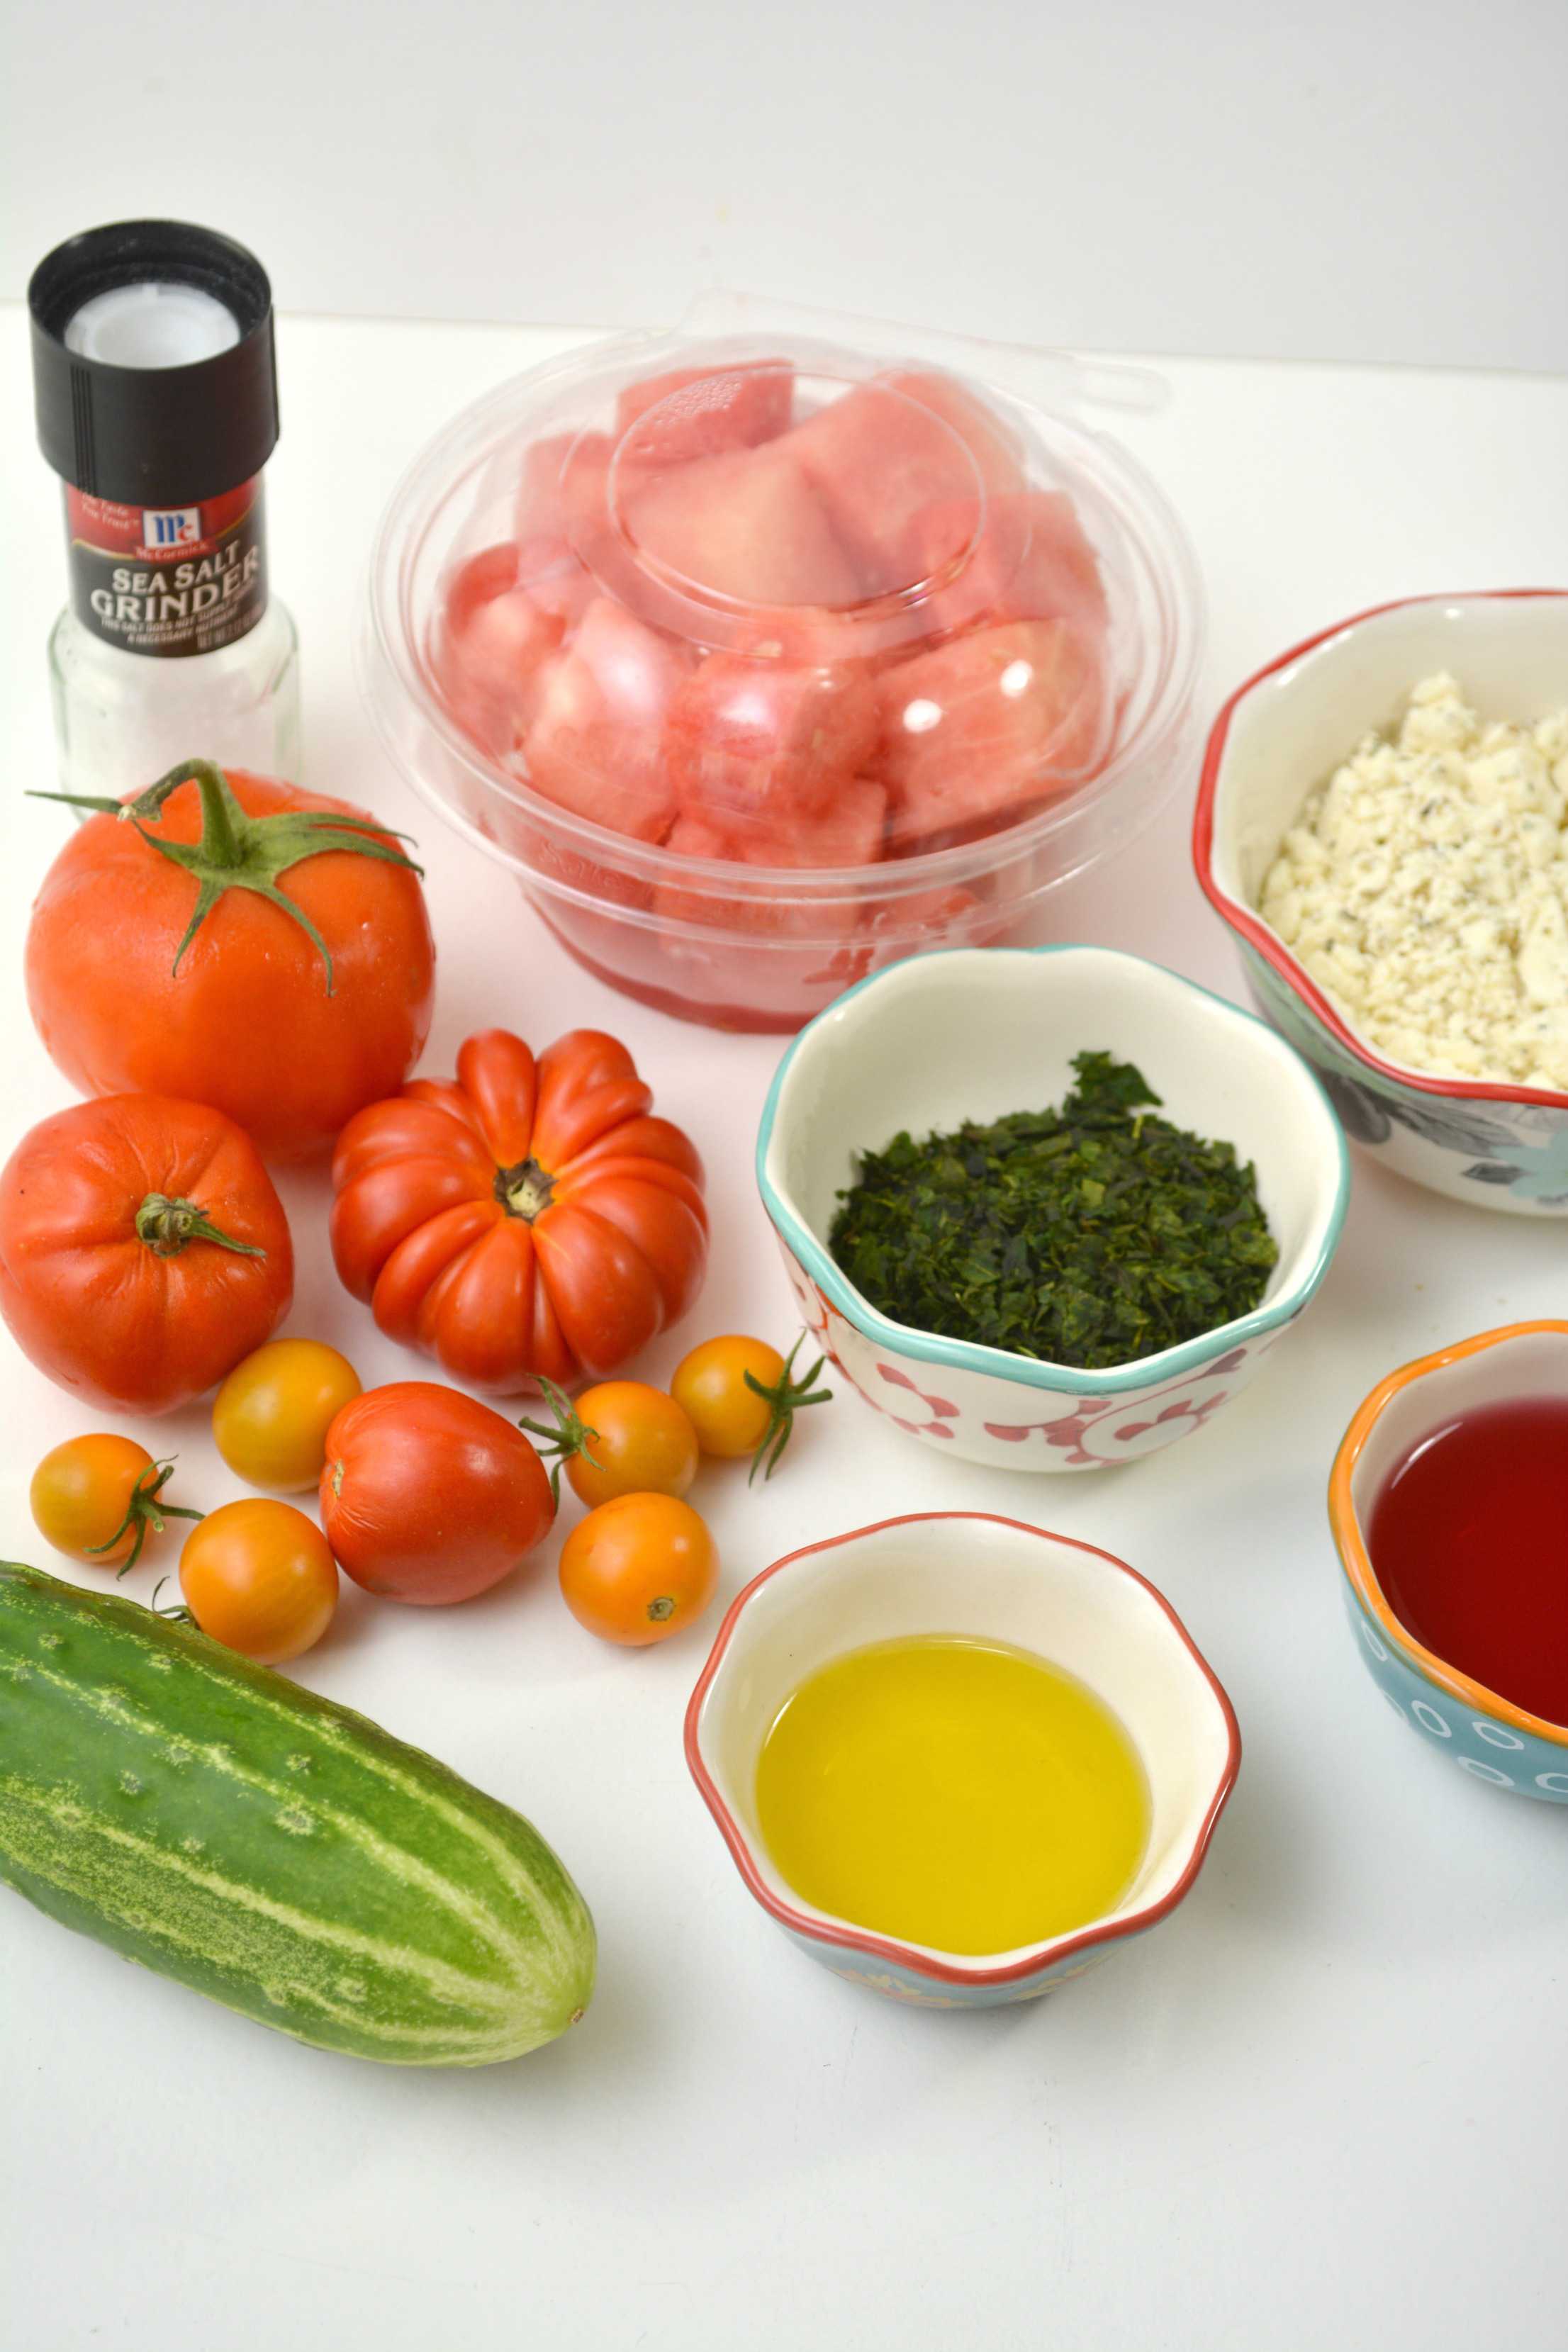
<point x="1502" y="1147"/>
<point x="991" y="1580"/>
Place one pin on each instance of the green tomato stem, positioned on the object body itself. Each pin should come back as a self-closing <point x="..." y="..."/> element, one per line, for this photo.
<point x="167" y="1225"/>
<point x="560" y="1440"/>
<point x="144" y="1510"/>
<point x="237" y="852"/>
<point x="785" y="1397"/>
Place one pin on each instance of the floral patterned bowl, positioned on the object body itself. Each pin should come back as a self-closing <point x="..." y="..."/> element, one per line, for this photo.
<point x="994" y="1580"/>
<point x="1278" y="736"/>
<point x="1486" y="1736"/>
<point x="973" y="1032"/>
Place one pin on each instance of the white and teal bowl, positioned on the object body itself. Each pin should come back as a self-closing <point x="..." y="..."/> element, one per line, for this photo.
<point x="973" y="1034"/>
<point x="991" y="1580"/>
<point x="1489" y="1738"/>
<point x="1497" y="1147"/>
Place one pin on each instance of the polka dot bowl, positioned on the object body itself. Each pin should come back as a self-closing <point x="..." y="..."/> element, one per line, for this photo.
<point x="1487" y="1735"/>
<point x="974" y="1032"/>
<point x="1062" y="1599"/>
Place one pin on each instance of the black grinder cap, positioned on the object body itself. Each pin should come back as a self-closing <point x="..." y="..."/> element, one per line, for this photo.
<point x="155" y="437"/>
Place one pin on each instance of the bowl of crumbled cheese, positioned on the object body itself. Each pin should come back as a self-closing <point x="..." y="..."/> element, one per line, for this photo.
<point x="1383" y="821"/>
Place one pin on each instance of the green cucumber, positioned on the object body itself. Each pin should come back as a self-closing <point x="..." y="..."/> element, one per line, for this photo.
<point x="210" y="1819"/>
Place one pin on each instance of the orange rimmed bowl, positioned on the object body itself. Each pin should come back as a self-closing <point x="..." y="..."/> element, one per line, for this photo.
<point x="1486" y="1735"/>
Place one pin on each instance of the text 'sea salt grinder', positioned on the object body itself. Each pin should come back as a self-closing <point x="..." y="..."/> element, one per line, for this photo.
<point x="156" y="386"/>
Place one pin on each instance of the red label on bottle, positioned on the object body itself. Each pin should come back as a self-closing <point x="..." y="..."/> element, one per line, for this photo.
<point x="168" y="580"/>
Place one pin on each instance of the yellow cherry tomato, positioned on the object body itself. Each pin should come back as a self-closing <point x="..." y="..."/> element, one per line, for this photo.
<point x="621" y="1437"/>
<point x="271" y="1415"/>
<point x="258" y="1576"/>
<point x="638" y="1568"/>
<point x="95" y="1499"/>
<point x="741" y="1396"/>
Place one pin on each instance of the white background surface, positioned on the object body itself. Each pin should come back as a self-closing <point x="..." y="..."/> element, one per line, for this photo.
<point x="1358" y="179"/>
<point x="1322" y="2105"/>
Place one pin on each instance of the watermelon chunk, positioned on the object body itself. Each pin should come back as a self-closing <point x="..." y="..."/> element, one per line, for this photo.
<point x="745" y="524"/>
<point x="1031" y="561"/>
<point x="555" y="580"/>
<point x="699" y="412"/>
<point x="847" y="834"/>
<point x="989" y="439"/>
<point x="595" y="745"/>
<point x="987" y="724"/>
<point x="764" y="743"/>
<point x="563" y="491"/>
<point x="887" y="455"/>
<point x="492" y="639"/>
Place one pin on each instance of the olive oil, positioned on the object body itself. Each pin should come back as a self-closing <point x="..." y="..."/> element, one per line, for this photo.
<point x="956" y="1793"/>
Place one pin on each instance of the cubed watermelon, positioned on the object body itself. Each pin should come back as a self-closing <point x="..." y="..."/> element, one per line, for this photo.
<point x="990" y="440"/>
<point x="562" y="491"/>
<point x="492" y="642"/>
<point x="759" y="742"/>
<point x="1031" y="561"/>
<point x="552" y="576"/>
<point x="596" y="742"/>
<point x="847" y="834"/>
<point x="985" y="726"/>
<point x="884" y="456"/>
<point x="699" y="412"/>
<point x="746" y="524"/>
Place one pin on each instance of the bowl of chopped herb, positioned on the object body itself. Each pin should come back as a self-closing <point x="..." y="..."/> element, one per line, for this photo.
<point x="1049" y="1208"/>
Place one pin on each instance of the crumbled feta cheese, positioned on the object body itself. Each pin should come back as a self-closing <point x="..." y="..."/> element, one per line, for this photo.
<point x="1425" y="887"/>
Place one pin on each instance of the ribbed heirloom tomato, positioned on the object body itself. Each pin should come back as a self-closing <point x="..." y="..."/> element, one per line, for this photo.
<point x="528" y="1219"/>
<point x="239" y="942"/>
<point x="143" y="1250"/>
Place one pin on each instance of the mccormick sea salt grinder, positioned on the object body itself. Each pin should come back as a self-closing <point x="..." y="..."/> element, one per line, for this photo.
<point x="156" y="386"/>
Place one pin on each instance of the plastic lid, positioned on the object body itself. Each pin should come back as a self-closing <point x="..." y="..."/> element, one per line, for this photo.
<point x="154" y="366"/>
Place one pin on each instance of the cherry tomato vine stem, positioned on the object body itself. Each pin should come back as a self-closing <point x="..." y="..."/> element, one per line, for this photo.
<point x="146" y="1513"/>
<point x="785" y="1397"/>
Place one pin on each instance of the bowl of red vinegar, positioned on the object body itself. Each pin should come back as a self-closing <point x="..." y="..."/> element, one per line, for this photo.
<point x="1448" y="1503"/>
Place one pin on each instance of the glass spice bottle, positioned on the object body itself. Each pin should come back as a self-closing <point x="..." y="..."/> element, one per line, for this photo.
<point x="155" y="379"/>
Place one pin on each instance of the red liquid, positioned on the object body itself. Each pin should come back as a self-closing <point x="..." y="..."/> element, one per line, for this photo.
<point x="1468" y="1539"/>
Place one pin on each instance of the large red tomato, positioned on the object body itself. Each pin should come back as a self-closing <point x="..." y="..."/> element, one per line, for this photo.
<point x="237" y="942"/>
<point x="528" y="1218"/>
<point x="143" y="1250"/>
<point x="429" y="1497"/>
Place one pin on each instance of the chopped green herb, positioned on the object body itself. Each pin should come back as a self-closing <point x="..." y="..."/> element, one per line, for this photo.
<point x="1090" y="1235"/>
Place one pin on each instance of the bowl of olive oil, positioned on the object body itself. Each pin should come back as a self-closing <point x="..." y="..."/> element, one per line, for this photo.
<point x="959" y="1758"/>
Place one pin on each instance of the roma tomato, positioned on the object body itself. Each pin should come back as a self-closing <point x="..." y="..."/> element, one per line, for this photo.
<point x="96" y="1499"/>
<point x="429" y="1497"/>
<point x="526" y="1221"/>
<point x="143" y="1250"/>
<point x="741" y="1397"/>
<point x="620" y="1438"/>
<point x="638" y="1568"/>
<point x="258" y="1577"/>
<point x="239" y="942"/>
<point x="271" y="1416"/>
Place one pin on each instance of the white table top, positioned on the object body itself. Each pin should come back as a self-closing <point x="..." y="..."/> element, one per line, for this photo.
<point x="1320" y="2105"/>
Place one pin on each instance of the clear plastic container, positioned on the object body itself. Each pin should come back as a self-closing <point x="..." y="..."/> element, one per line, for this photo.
<point x="816" y="655"/>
